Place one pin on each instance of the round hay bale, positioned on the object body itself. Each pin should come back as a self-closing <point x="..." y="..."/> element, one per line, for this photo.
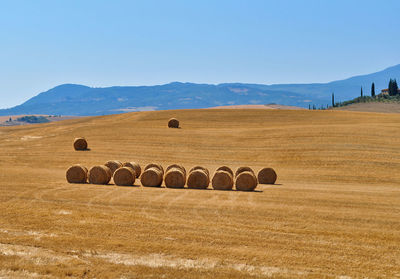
<point x="246" y="181"/>
<point x="135" y="166"/>
<point x="200" y="168"/>
<point x="198" y="179"/>
<point x="242" y="169"/>
<point x="77" y="174"/>
<point x="176" y="166"/>
<point x="124" y="176"/>
<point x="154" y="165"/>
<point x="100" y="175"/>
<point x="175" y="178"/>
<point x="173" y="123"/>
<point x="267" y="176"/>
<point x="152" y="177"/>
<point x="113" y="165"/>
<point x="225" y="168"/>
<point x="222" y="180"/>
<point x="80" y="144"/>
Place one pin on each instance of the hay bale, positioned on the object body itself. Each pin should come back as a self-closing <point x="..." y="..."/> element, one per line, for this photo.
<point x="99" y="175"/>
<point x="176" y="166"/>
<point x="154" y="165"/>
<point x="225" y="168"/>
<point x="267" y="176"/>
<point x="198" y="179"/>
<point x="242" y="169"/>
<point x="77" y="174"/>
<point x="113" y="165"/>
<point x="246" y="181"/>
<point x="175" y="178"/>
<point x="200" y="168"/>
<point x="124" y="176"/>
<point x="80" y="144"/>
<point x="173" y="123"/>
<point x="222" y="180"/>
<point x="135" y="166"/>
<point x="152" y="177"/>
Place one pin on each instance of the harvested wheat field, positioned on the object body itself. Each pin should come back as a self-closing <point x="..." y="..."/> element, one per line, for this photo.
<point x="334" y="212"/>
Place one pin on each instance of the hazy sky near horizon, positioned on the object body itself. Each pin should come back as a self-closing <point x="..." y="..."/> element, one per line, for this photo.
<point x="98" y="43"/>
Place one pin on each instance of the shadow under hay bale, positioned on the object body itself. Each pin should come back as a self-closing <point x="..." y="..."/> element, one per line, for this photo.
<point x="200" y="168"/>
<point x="225" y="168"/>
<point x="222" y="180"/>
<point x="113" y="165"/>
<point x="246" y="181"/>
<point x="242" y="169"/>
<point x="135" y="166"/>
<point x="267" y="176"/>
<point x="154" y="165"/>
<point x="175" y="177"/>
<point x="152" y="177"/>
<point x="77" y="174"/>
<point x="100" y="175"/>
<point x="198" y="179"/>
<point x="80" y="144"/>
<point x="173" y="123"/>
<point x="124" y="176"/>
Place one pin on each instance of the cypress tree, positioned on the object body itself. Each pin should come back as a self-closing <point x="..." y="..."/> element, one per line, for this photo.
<point x="395" y="88"/>
<point x="333" y="100"/>
<point x="373" y="90"/>
<point x="361" y="92"/>
<point x="390" y="87"/>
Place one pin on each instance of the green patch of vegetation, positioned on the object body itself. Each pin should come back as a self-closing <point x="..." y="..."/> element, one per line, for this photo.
<point x="369" y="99"/>
<point x="33" y="119"/>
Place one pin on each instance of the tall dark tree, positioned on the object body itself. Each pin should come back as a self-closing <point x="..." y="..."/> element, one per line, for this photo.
<point x="361" y="92"/>
<point x="333" y="100"/>
<point x="395" y="87"/>
<point x="373" y="90"/>
<point x="392" y="87"/>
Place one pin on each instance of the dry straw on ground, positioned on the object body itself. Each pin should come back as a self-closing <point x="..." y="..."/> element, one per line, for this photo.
<point x="124" y="176"/>
<point x="225" y="168"/>
<point x="178" y="166"/>
<point x="77" y="174"/>
<point x="246" y="181"/>
<point x="154" y="165"/>
<point x="267" y="176"/>
<point x="222" y="180"/>
<point x="80" y="144"/>
<point x="173" y="123"/>
<point x="152" y="177"/>
<point x="198" y="179"/>
<point x="113" y="165"/>
<point x="242" y="169"/>
<point x="100" y="175"/>
<point x="135" y="166"/>
<point x="175" y="177"/>
<point x="200" y="168"/>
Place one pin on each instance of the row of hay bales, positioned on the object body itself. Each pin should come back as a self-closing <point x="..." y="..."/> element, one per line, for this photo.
<point x="174" y="176"/>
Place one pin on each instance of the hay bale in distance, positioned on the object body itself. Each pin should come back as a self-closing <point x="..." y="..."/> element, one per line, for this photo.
<point x="225" y="168"/>
<point x="154" y="165"/>
<point x="200" y="168"/>
<point x="100" y="175"/>
<point x="198" y="179"/>
<point x="242" y="169"/>
<point x="77" y="174"/>
<point x="135" y="166"/>
<point x="152" y="177"/>
<point x="176" y="166"/>
<point x="124" y="176"/>
<point x="173" y="123"/>
<point x="267" y="176"/>
<point x="246" y="181"/>
<point x="113" y="165"/>
<point x="222" y="180"/>
<point x="175" y="178"/>
<point x="80" y="144"/>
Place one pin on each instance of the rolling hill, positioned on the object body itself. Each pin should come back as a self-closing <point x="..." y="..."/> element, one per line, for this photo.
<point x="71" y="99"/>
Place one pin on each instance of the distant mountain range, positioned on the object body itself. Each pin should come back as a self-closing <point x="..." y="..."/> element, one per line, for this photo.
<point x="72" y="99"/>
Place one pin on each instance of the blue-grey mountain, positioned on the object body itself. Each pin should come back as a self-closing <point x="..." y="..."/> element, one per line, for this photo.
<point x="71" y="99"/>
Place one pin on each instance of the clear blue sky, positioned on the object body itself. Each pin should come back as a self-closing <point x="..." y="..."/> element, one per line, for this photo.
<point x="104" y="43"/>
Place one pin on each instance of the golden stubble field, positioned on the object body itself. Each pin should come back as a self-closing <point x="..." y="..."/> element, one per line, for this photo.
<point x="334" y="213"/>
